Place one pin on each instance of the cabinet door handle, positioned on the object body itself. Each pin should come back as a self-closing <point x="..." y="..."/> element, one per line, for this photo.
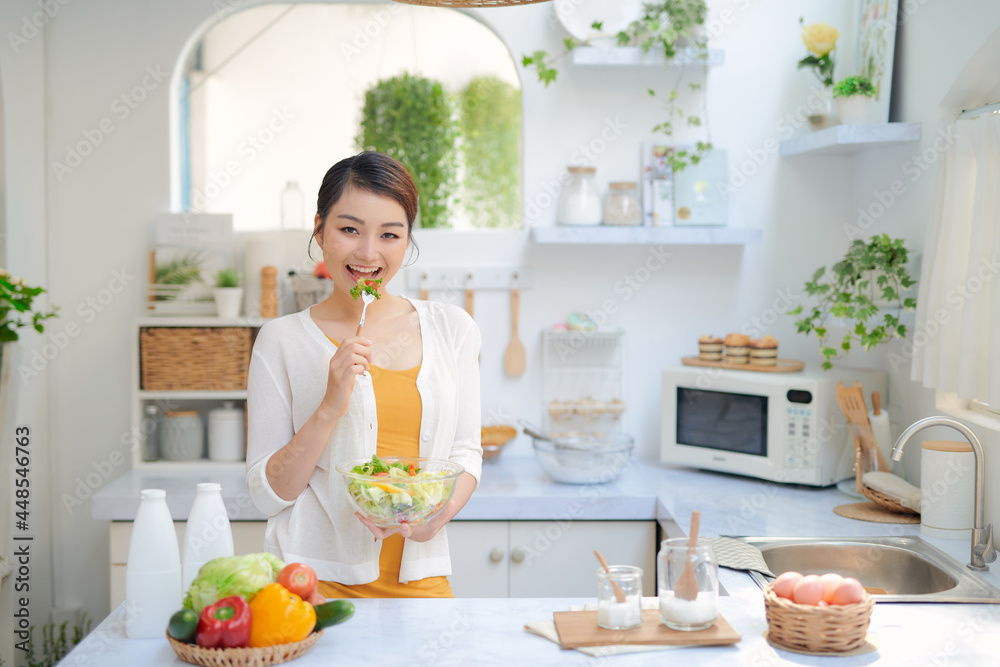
<point x="496" y="555"/>
<point x="518" y="554"/>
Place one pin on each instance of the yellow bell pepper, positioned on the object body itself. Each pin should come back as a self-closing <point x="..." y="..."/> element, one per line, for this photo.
<point x="279" y="617"/>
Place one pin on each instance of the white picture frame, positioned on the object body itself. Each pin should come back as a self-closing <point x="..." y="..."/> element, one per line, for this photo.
<point x="876" y="48"/>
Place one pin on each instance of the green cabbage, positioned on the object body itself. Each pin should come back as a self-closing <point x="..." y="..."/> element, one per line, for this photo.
<point x="232" y="575"/>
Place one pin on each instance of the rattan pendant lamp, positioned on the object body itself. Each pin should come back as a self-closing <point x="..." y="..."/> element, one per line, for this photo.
<point x="470" y="3"/>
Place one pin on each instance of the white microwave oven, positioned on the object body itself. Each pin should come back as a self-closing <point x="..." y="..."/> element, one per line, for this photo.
<point x="782" y="427"/>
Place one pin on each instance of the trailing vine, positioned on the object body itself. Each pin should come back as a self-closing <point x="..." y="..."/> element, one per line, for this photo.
<point x="666" y="26"/>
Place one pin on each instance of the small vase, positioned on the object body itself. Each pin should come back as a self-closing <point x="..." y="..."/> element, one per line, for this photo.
<point x="228" y="301"/>
<point x="821" y="110"/>
<point x="854" y="110"/>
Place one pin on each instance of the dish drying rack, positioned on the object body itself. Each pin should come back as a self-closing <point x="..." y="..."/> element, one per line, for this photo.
<point x="583" y="381"/>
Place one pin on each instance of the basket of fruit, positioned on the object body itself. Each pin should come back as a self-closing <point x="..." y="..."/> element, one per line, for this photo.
<point x="817" y="614"/>
<point x="243" y="611"/>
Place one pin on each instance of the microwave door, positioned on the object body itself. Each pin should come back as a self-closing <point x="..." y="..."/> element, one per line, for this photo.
<point x="721" y="420"/>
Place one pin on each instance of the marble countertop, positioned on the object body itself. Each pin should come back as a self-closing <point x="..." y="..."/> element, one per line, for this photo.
<point x="490" y="631"/>
<point x="510" y="489"/>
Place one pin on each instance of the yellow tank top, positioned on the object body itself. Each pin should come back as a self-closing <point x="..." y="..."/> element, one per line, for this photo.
<point x="397" y="406"/>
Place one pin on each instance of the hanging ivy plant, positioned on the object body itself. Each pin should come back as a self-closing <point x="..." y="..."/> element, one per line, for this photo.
<point x="491" y="152"/>
<point x="665" y="26"/>
<point x="412" y="119"/>
<point x="870" y="272"/>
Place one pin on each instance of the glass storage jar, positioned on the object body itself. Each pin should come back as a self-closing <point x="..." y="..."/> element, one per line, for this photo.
<point x="580" y="203"/>
<point x="182" y="436"/>
<point x="621" y="206"/>
<point x="677" y="612"/>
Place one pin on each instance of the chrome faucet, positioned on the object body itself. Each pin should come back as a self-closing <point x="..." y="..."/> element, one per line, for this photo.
<point x="982" y="538"/>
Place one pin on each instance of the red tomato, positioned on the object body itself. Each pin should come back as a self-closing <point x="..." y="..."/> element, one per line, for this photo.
<point x="299" y="579"/>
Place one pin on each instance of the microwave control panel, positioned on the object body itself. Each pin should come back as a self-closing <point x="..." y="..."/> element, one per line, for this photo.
<point x="800" y="431"/>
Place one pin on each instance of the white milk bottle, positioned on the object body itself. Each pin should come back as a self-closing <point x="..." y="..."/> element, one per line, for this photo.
<point x="207" y="534"/>
<point x="153" y="571"/>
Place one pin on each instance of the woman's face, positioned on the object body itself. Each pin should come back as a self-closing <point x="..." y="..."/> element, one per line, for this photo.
<point x="365" y="236"/>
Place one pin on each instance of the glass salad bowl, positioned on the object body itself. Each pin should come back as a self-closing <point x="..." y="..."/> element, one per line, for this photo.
<point x="391" y="491"/>
<point x="589" y="458"/>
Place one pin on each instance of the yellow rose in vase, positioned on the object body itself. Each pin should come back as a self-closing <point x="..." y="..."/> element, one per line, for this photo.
<point x="820" y="38"/>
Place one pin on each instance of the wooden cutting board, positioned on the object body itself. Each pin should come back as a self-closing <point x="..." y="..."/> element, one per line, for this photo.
<point x="579" y="628"/>
<point x="782" y="365"/>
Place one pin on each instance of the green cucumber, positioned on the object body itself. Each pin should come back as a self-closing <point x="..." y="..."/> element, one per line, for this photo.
<point x="183" y="625"/>
<point x="333" y="612"/>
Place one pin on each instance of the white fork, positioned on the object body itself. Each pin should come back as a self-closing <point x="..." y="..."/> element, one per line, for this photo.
<point x="366" y="298"/>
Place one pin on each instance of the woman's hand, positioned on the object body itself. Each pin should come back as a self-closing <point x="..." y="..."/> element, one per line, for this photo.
<point x="352" y="358"/>
<point x="416" y="533"/>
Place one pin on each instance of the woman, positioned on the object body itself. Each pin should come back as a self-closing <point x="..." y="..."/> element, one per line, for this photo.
<point x="319" y="393"/>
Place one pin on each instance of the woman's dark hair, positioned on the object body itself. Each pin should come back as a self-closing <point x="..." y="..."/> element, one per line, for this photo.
<point x="374" y="172"/>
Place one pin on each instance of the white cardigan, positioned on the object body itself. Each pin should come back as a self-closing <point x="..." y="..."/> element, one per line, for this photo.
<point x="287" y="381"/>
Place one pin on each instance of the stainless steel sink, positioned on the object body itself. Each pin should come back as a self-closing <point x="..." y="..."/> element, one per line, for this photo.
<point x="908" y="569"/>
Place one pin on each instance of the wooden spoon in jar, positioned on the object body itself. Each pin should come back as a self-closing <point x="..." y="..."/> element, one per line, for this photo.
<point x="686" y="587"/>
<point x="619" y="593"/>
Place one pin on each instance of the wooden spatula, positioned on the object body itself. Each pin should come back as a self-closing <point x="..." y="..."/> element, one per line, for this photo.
<point x="686" y="587"/>
<point x="619" y="593"/>
<point x="513" y="357"/>
<point x="852" y="403"/>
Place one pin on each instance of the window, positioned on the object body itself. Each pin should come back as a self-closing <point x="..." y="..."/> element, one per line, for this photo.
<point x="274" y="94"/>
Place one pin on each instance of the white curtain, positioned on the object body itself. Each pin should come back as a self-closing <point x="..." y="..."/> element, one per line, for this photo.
<point x="956" y="340"/>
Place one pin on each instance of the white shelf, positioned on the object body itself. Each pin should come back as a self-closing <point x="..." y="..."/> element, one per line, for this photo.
<point x="208" y="395"/>
<point x="841" y="139"/>
<point x="634" y="55"/>
<point x="201" y="321"/>
<point x="197" y="465"/>
<point x="648" y="235"/>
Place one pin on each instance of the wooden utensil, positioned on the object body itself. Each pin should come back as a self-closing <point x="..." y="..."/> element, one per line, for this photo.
<point x="686" y="587"/>
<point x="876" y="403"/>
<point x="619" y="593"/>
<point x="425" y="294"/>
<point x="468" y="295"/>
<point x="852" y="403"/>
<point x="513" y="358"/>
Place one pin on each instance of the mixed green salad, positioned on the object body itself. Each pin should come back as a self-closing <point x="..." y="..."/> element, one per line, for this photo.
<point x="389" y="503"/>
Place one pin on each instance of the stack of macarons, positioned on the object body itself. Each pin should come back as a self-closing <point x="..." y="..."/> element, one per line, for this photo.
<point x="710" y="348"/>
<point x="764" y="351"/>
<point x="737" y="348"/>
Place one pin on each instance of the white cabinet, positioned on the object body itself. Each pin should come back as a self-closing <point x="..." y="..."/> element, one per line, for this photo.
<point x="490" y="559"/>
<point x="248" y="538"/>
<point x="545" y="558"/>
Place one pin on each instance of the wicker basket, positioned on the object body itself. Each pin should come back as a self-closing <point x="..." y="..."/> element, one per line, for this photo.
<point x="309" y="290"/>
<point x="831" y="629"/>
<point x="242" y="657"/>
<point x="194" y="358"/>
<point x="873" y="495"/>
<point x="493" y="438"/>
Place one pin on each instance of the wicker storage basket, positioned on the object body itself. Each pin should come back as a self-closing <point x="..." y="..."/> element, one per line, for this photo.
<point x="493" y="438"/>
<point x="242" y="657"/>
<point x="194" y="358"/>
<point x="832" y="629"/>
<point x="877" y="497"/>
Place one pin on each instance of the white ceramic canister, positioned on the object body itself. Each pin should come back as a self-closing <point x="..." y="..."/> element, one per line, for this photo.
<point x="226" y="441"/>
<point x="580" y="203"/>
<point x="947" y="485"/>
<point x="207" y="533"/>
<point x="153" y="571"/>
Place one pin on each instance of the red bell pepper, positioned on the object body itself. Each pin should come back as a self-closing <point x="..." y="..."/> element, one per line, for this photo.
<point x="225" y="624"/>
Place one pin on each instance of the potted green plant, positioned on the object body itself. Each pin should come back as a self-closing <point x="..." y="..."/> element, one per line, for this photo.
<point x="412" y="119"/>
<point x="853" y="95"/>
<point x="866" y="288"/>
<point x="228" y="293"/>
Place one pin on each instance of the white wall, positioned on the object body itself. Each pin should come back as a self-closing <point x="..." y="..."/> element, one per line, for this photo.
<point x="96" y="219"/>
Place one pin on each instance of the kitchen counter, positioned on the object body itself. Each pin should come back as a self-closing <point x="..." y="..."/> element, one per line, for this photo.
<point x="490" y="631"/>
<point x="513" y="489"/>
